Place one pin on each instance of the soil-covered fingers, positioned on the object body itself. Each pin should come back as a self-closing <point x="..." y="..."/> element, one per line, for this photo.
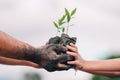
<point x="58" y="64"/>
<point x="63" y="66"/>
<point x="59" y="49"/>
<point x="64" y="58"/>
<point x="62" y="61"/>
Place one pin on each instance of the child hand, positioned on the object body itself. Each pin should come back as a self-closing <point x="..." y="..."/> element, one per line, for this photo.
<point x="78" y="62"/>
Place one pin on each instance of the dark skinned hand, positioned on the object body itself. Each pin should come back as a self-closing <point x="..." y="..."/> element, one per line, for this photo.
<point x="53" y="57"/>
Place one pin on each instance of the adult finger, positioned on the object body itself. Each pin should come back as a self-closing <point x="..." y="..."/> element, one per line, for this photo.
<point x="64" y="58"/>
<point x="57" y="47"/>
<point x="10" y="61"/>
<point x="28" y="63"/>
<point x="63" y="66"/>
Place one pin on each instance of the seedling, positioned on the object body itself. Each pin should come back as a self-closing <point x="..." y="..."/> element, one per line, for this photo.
<point x="62" y="26"/>
<point x="65" y="19"/>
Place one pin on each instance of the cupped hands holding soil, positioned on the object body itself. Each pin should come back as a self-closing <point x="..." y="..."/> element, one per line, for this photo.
<point x="63" y="41"/>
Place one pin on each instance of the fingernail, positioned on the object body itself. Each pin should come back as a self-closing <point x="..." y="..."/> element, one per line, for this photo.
<point x="67" y="52"/>
<point x="67" y="46"/>
<point x="71" y="44"/>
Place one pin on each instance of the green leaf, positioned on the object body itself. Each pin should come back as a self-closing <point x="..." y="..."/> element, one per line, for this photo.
<point x="60" y="21"/>
<point x="55" y="24"/>
<point x="68" y="15"/>
<point x="63" y="22"/>
<point x="73" y="12"/>
<point x="63" y="17"/>
<point x="63" y="29"/>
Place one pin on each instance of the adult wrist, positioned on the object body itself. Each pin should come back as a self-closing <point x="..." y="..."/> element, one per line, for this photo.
<point x="33" y="56"/>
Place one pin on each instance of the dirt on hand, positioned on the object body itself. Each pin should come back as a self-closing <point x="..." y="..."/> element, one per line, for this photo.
<point x="63" y="40"/>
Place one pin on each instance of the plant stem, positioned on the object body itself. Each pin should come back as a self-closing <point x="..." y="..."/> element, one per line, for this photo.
<point x="67" y="28"/>
<point x="57" y="32"/>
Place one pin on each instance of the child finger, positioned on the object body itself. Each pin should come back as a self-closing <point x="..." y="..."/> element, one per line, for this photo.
<point x="72" y="48"/>
<point x="72" y="54"/>
<point x="71" y="62"/>
<point x="73" y="45"/>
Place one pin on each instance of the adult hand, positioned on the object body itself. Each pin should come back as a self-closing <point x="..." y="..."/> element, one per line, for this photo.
<point x="53" y="57"/>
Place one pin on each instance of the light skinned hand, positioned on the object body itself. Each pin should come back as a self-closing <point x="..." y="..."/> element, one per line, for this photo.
<point x="73" y="51"/>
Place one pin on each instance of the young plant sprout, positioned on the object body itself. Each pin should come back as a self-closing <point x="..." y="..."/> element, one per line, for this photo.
<point x="66" y="18"/>
<point x="59" y="26"/>
<point x="63" y="39"/>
